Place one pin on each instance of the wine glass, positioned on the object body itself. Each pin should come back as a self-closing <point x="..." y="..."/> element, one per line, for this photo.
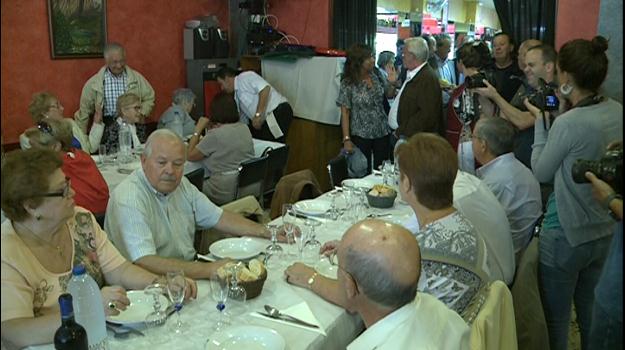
<point x="274" y="249"/>
<point x="236" y="292"/>
<point x="155" y="320"/>
<point x="301" y="239"/>
<point x="312" y="246"/>
<point x="288" y="222"/>
<point x="387" y="172"/>
<point x="219" y="291"/>
<point x="176" y="286"/>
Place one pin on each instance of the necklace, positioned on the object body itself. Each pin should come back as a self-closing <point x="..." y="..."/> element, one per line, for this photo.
<point x="56" y="247"/>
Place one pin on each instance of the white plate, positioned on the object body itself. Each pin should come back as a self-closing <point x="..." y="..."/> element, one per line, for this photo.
<point x="326" y="269"/>
<point x="141" y="305"/>
<point x="246" y="337"/>
<point x="360" y="183"/>
<point x="237" y="248"/>
<point x="312" y="207"/>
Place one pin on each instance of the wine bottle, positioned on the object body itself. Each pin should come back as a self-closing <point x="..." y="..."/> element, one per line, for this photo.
<point x="70" y="335"/>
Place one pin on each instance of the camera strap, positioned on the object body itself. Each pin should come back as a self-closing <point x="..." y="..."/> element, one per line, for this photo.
<point x="589" y="101"/>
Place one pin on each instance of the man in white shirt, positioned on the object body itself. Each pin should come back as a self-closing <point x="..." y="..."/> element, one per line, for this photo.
<point x="259" y="103"/>
<point x="152" y="215"/>
<point x="513" y="183"/>
<point x="379" y="268"/>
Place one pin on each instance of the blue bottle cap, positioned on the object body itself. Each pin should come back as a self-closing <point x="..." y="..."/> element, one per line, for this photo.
<point x="65" y="302"/>
<point x="79" y="270"/>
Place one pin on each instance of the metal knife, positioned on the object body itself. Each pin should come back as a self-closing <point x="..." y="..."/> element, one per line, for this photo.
<point x="121" y="330"/>
<point x="288" y="318"/>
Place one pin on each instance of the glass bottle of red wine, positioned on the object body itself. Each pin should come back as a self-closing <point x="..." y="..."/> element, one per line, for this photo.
<point x="70" y="335"/>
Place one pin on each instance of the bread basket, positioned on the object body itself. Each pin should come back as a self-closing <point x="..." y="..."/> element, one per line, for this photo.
<point x="253" y="288"/>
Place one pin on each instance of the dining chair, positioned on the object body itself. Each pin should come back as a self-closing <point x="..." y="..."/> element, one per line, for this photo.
<point x="494" y="326"/>
<point x="196" y="177"/>
<point x="337" y="169"/>
<point x="277" y="158"/>
<point x="251" y="178"/>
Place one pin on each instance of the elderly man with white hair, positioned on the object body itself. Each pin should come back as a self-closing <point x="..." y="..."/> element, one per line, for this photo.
<point x="153" y="214"/>
<point x="418" y="105"/>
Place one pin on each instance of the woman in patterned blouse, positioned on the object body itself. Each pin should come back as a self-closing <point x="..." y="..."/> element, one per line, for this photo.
<point x="363" y="120"/>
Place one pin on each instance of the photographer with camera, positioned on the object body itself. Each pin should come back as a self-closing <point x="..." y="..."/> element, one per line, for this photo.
<point x="576" y="230"/>
<point x="465" y="107"/>
<point x="606" y="330"/>
<point x="540" y="71"/>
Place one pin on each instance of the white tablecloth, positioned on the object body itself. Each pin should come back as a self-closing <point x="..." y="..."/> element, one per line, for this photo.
<point x="113" y="177"/>
<point x="311" y="85"/>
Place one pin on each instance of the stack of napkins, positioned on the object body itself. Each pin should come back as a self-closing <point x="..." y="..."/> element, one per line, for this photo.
<point x="301" y="311"/>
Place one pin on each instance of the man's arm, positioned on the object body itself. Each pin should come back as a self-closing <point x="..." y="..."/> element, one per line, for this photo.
<point x="329" y="289"/>
<point x="261" y="108"/>
<point x="520" y="119"/>
<point x="86" y="106"/>
<point x="192" y="269"/>
<point x="236" y="224"/>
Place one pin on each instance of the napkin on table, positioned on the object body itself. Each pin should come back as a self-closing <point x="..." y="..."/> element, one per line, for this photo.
<point x="301" y="311"/>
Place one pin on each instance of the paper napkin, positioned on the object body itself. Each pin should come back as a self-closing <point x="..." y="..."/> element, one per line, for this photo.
<point x="301" y="311"/>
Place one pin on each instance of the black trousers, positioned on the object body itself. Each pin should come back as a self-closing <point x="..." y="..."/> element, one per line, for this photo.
<point x="284" y="116"/>
<point x="379" y="148"/>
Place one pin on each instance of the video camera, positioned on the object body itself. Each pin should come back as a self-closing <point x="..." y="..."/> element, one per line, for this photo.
<point x="544" y="97"/>
<point x="609" y="169"/>
<point x="477" y="80"/>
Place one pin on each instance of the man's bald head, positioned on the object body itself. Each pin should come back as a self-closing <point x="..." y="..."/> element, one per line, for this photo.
<point x="526" y="45"/>
<point x="384" y="260"/>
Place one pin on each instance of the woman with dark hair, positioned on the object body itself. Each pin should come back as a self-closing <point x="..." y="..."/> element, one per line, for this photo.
<point x="225" y="146"/>
<point x="361" y="94"/>
<point x="465" y="106"/>
<point x="576" y="230"/>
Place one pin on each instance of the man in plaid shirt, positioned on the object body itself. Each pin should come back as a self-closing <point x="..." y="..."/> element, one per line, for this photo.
<point x="114" y="79"/>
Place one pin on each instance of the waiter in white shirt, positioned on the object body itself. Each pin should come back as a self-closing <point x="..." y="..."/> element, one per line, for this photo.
<point x="269" y="112"/>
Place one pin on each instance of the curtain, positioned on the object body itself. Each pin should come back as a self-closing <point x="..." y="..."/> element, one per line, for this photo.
<point x="354" y="21"/>
<point x="528" y="19"/>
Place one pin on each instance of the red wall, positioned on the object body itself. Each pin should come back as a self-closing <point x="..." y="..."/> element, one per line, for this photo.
<point x="151" y="31"/>
<point x="576" y="19"/>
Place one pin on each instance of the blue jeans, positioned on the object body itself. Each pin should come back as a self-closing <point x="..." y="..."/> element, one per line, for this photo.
<point x="569" y="274"/>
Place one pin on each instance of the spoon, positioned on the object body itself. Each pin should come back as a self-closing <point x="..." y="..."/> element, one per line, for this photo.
<point x="275" y="313"/>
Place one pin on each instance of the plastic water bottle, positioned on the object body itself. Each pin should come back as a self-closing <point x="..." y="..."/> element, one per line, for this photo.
<point x="88" y="307"/>
<point x="125" y="143"/>
<point x="71" y="335"/>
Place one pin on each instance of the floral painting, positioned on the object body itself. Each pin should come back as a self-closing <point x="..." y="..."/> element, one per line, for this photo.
<point x="77" y="28"/>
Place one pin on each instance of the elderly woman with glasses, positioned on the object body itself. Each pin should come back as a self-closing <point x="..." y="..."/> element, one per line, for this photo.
<point x="45" y="236"/>
<point x="176" y="118"/>
<point x="45" y="105"/>
<point x="92" y="192"/>
<point x="128" y="111"/>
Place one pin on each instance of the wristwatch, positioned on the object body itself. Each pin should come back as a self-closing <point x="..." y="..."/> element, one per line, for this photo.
<point x="257" y="114"/>
<point x="311" y="280"/>
<point x="346" y="138"/>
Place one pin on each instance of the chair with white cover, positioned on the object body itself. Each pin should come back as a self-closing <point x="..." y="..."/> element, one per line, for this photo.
<point x="494" y="327"/>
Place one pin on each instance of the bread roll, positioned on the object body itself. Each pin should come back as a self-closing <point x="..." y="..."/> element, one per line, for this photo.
<point x="245" y="275"/>
<point x="256" y="267"/>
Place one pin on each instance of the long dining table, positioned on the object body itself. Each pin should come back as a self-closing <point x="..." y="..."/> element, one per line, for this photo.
<point x="341" y="327"/>
<point x="113" y="175"/>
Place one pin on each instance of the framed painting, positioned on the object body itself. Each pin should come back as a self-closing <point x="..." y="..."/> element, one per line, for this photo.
<point x="77" y="28"/>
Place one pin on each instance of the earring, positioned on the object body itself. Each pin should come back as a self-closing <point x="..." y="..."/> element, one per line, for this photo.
<point x="566" y="89"/>
<point x="37" y="216"/>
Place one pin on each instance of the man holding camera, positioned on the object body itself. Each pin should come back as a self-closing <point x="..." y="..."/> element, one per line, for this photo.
<point x="540" y="72"/>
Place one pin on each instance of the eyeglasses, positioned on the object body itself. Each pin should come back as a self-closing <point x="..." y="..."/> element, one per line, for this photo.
<point x="45" y="128"/>
<point x="63" y="193"/>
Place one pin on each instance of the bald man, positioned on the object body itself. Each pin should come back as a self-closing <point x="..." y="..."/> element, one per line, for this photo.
<point x="153" y="213"/>
<point x="379" y="269"/>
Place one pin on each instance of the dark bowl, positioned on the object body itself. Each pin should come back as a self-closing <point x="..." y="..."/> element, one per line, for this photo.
<point x="381" y="201"/>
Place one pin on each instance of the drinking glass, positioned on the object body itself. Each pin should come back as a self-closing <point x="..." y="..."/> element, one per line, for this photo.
<point x="387" y="172"/>
<point x="102" y="158"/>
<point x="219" y="292"/>
<point x="334" y="212"/>
<point x="312" y="246"/>
<point x="301" y="240"/>
<point x="176" y="286"/>
<point x="155" y="320"/>
<point x="288" y="222"/>
<point x="237" y="293"/>
<point x="274" y="249"/>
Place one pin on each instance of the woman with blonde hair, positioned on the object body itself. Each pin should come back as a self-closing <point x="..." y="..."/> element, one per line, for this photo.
<point x="92" y="192"/>
<point x="45" y="105"/>
<point x="128" y="111"/>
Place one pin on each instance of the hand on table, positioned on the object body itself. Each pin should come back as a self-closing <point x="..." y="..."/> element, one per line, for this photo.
<point x="298" y="274"/>
<point x="190" y="292"/>
<point x="117" y="296"/>
<point x="329" y="248"/>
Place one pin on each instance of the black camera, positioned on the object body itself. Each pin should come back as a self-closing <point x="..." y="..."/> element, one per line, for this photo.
<point x="609" y="169"/>
<point x="544" y="97"/>
<point x="477" y="80"/>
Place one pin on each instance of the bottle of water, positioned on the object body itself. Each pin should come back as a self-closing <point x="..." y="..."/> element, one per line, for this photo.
<point x="125" y="143"/>
<point x="71" y="335"/>
<point x="88" y="307"/>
